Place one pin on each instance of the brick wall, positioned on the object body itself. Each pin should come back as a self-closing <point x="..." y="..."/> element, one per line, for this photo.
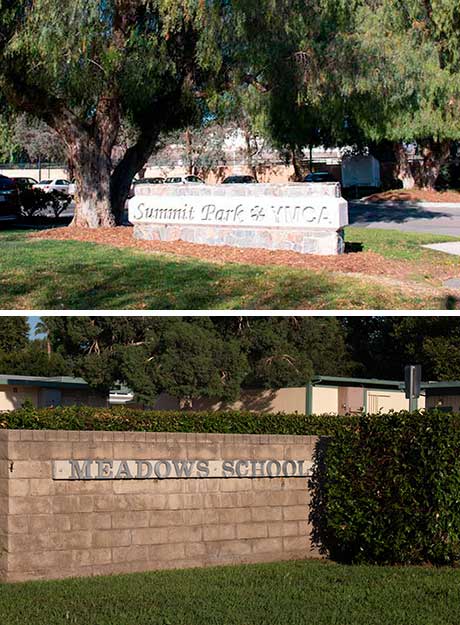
<point x="52" y="529"/>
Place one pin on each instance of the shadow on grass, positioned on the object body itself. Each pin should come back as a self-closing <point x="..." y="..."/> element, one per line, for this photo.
<point x="72" y="275"/>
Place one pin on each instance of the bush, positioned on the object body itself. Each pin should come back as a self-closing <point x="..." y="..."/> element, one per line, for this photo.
<point x="126" y="419"/>
<point x="36" y="202"/>
<point x="387" y="490"/>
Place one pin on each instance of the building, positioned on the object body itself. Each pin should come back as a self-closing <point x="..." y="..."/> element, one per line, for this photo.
<point x="42" y="392"/>
<point x="322" y="395"/>
<point x="443" y="395"/>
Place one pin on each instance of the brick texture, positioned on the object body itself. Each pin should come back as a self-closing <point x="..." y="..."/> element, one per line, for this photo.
<point x="54" y="529"/>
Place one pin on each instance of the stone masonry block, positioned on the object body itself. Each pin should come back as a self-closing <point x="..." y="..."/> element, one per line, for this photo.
<point x="111" y="538"/>
<point x="90" y="521"/>
<point x="286" y="528"/>
<point x="219" y="532"/>
<point x="20" y="469"/>
<point x="164" y="518"/>
<point x="130" y="519"/>
<point x="295" y="513"/>
<point x="134" y="553"/>
<point x="29" y="505"/>
<point x="40" y="524"/>
<point x="252" y="530"/>
<point x="267" y="545"/>
<point x="267" y="513"/>
<point x="168" y="552"/>
<point x="185" y="534"/>
<point x="150" y="536"/>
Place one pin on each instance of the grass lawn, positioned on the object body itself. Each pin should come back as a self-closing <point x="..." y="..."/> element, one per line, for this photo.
<point x="293" y="593"/>
<point x="48" y="274"/>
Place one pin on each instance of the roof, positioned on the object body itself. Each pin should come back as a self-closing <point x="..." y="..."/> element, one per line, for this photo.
<point x="370" y="382"/>
<point x="438" y="386"/>
<point x="47" y="382"/>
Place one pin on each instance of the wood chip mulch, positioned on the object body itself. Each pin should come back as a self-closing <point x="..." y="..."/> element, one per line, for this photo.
<point x="122" y="237"/>
<point x="415" y="195"/>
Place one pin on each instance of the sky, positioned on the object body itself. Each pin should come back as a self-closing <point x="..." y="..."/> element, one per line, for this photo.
<point x="32" y="323"/>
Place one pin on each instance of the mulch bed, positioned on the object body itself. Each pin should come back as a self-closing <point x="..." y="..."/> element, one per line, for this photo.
<point x="415" y="195"/>
<point x="362" y="262"/>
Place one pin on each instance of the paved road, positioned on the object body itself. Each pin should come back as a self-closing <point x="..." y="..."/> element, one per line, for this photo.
<point x="428" y="218"/>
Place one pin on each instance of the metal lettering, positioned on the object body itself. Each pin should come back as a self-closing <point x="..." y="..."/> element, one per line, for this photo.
<point x="254" y="464"/>
<point x="286" y="465"/>
<point x="242" y="464"/>
<point x="81" y="472"/>
<point x="104" y="469"/>
<point x="140" y="464"/>
<point x="228" y="468"/>
<point x="270" y="463"/>
<point x="183" y="467"/>
<point x="157" y="469"/>
<point x="123" y="472"/>
<point x="203" y="468"/>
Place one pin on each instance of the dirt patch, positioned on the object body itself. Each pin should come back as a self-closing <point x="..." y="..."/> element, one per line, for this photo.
<point x="415" y="195"/>
<point x="122" y="237"/>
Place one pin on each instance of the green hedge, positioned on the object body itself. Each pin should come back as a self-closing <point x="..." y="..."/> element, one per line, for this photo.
<point x="125" y="419"/>
<point x="387" y="490"/>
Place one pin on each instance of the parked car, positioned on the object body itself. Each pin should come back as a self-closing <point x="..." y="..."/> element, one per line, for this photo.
<point x="239" y="180"/>
<point x="320" y="176"/>
<point x="136" y="183"/>
<point x="24" y="183"/>
<point x="184" y="180"/>
<point x="10" y="206"/>
<point x="58" y="184"/>
<point x="157" y="180"/>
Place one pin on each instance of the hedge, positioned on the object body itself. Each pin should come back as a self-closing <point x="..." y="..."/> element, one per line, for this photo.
<point x="387" y="490"/>
<point x="125" y="419"/>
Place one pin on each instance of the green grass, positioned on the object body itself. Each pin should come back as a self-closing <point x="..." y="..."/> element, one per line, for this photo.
<point x="295" y="593"/>
<point x="46" y="274"/>
<point x="401" y="245"/>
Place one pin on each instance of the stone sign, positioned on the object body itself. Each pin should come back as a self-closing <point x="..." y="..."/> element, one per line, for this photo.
<point x="178" y="469"/>
<point x="307" y="218"/>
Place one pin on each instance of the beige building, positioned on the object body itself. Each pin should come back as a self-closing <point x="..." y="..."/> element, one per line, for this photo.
<point x="322" y="395"/>
<point x="15" y="390"/>
<point x="443" y="395"/>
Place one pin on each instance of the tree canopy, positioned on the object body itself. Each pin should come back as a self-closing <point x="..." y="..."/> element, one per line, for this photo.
<point x="192" y="357"/>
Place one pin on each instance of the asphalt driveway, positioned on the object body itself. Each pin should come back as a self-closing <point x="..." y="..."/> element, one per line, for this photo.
<point x="443" y="219"/>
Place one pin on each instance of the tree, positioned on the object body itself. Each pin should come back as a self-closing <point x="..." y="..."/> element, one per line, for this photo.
<point x="201" y="150"/>
<point x="184" y="358"/>
<point x="105" y="61"/>
<point x="288" y="351"/>
<point x="14" y="333"/>
<point x="37" y="141"/>
<point x="405" y="67"/>
<point x="383" y="346"/>
<point x="22" y="356"/>
<point x="101" y="62"/>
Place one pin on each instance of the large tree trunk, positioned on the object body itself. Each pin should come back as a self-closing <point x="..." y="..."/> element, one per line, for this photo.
<point x="134" y="160"/>
<point x="298" y="173"/>
<point x="92" y="174"/>
<point x="403" y="167"/>
<point x="250" y="153"/>
<point x="435" y="155"/>
<point x="90" y="150"/>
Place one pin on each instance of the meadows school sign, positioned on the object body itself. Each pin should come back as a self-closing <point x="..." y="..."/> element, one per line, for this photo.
<point x="84" y="503"/>
<point x="178" y="469"/>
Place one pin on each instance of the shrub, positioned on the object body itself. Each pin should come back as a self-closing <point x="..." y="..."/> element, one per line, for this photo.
<point x="387" y="490"/>
<point x="36" y="202"/>
<point x="126" y="419"/>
